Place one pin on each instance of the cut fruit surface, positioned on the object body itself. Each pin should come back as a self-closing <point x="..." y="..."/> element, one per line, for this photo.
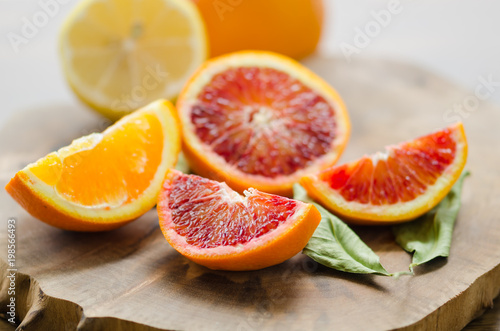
<point x="258" y="119"/>
<point x="212" y="225"/>
<point x="103" y="180"/>
<point x="399" y="185"/>
<point x="121" y="55"/>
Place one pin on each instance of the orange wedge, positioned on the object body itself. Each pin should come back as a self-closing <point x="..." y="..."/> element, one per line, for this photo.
<point x="210" y="224"/>
<point x="292" y="28"/>
<point x="103" y="180"/>
<point x="399" y="185"/>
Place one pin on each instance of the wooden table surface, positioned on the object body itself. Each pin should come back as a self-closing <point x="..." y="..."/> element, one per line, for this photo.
<point x="132" y="279"/>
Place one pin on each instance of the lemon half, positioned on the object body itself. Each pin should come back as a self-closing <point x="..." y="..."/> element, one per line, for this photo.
<point x="119" y="55"/>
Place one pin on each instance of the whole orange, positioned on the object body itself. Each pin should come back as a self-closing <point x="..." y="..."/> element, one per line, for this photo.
<point x="290" y="27"/>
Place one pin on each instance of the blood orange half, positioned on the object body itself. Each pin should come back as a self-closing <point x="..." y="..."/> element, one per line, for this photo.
<point x="258" y="119"/>
<point x="399" y="185"/>
<point x="212" y="225"/>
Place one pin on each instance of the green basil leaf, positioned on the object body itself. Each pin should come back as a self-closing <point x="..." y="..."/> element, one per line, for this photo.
<point x="335" y="245"/>
<point x="300" y="193"/>
<point x="429" y="236"/>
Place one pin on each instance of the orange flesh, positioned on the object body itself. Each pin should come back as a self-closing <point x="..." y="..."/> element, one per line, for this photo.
<point x="406" y="173"/>
<point x="209" y="214"/>
<point x="112" y="170"/>
<point x="263" y="122"/>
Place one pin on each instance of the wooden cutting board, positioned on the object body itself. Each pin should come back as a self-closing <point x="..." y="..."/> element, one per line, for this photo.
<point x="131" y="279"/>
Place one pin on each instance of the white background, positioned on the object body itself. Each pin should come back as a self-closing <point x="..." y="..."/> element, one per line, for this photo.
<point x="459" y="39"/>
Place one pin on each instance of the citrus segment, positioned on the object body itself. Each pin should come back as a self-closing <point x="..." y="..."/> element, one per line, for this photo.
<point x="103" y="180"/>
<point x="121" y="55"/>
<point x="262" y="120"/>
<point x="399" y="185"/>
<point x="211" y="224"/>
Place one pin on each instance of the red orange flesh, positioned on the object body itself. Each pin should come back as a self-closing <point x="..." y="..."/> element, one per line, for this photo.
<point x="399" y="185"/>
<point x="211" y="224"/>
<point x="257" y="119"/>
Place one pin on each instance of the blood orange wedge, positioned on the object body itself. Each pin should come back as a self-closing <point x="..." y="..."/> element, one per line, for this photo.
<point x="103" y="180"/>
<point x="212" y="225"/>
<point x="258" y="119"/>
<point x="399" y="185"/>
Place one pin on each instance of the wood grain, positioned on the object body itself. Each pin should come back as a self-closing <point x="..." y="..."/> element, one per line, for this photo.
<point x="131" y="279"/>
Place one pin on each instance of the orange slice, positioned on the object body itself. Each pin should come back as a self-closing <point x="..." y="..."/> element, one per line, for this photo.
<point x="258" y="119"/>
<point x="214" y="226"/>
<point x="103" y="180"/>
<point x="399" y="185"/>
